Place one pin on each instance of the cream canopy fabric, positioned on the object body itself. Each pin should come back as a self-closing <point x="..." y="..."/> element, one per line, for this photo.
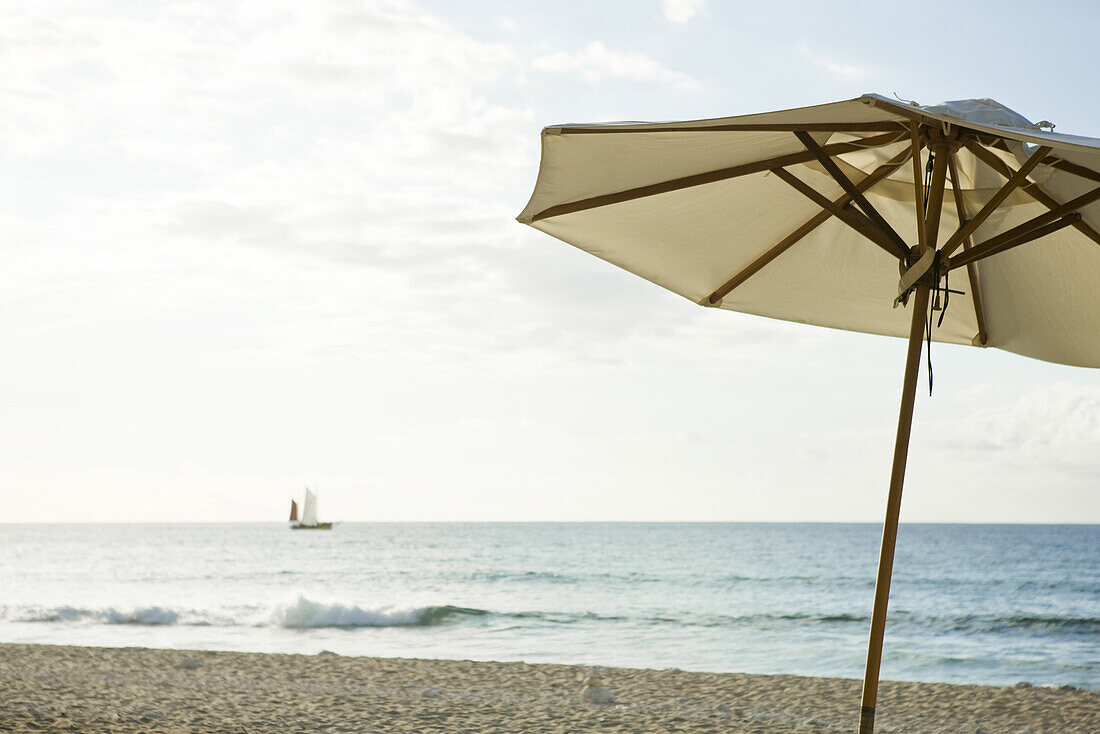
<point x="692" y="205"/>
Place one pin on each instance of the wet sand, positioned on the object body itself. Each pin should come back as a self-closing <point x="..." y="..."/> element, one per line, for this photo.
<point x="45" y="688"/>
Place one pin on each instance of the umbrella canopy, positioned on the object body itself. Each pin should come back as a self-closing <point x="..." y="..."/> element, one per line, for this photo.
<point x="850" y="215"/>
<point x="731" y="212"/>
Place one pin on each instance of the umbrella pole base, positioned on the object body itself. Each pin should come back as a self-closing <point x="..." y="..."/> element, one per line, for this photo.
<point x="867" y="720"/>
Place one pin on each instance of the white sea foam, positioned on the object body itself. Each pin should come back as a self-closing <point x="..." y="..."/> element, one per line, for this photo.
<point x="300" y="613"/>
<point x="108" y="615"/>
<point x="305" y="613"/>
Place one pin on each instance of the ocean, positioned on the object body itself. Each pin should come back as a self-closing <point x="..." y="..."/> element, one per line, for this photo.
<point x="990" y="604"/>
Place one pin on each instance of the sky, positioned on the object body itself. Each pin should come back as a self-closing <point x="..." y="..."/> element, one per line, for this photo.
<point x="255" y="246"/>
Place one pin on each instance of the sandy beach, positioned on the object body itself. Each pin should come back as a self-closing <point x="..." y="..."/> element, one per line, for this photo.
<point x="85" y="689"/>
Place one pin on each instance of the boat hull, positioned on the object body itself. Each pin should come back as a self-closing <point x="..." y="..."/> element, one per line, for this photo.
<point x="318" y="526"/>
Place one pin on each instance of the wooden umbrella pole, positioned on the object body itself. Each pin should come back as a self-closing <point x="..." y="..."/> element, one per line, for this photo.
<point x="893" y="510"/>
<point x="941" y="147"/>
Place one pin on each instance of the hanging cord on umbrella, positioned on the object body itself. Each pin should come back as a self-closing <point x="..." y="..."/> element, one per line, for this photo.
<point x="935" y="267"/>
<point x="931" y="272"/>
<point x="931" y="310"/>
<point x="938" y="272"/>
<point x="928" y="179"/>
<point x="936" y="288"/>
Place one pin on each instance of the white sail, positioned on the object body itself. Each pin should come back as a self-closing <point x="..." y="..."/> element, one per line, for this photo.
<point x="309" y="509"/>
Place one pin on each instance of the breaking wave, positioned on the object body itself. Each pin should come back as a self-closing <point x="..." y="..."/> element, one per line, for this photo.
<point x="305" y="613"/>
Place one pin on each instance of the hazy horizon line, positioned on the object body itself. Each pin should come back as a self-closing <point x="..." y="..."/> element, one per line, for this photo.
<point x="539" y="522"/>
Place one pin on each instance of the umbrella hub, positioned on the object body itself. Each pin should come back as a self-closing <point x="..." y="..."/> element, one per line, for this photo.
<point x="915" y="268"/>
<point x="927" y="269"/>
<point x="920" y="269"/>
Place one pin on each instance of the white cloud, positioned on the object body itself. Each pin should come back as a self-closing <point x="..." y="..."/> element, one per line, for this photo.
<point x="842" y="69"/>
<point x="597" y="63"/>
<point x="1051" y="428"/>
<point x="681" y="11"/>
<point x="353" y="134"/>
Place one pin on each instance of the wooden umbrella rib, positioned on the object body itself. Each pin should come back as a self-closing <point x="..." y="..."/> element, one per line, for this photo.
<point x="935" y="194"/>
<point x="971" y="270"/>
<point x="1060" y="163"/>
<point x="846" y="214"/>
<point x="1077" y="170"/>
<point x="723" y="174"/>
<point x="918" y="183"/>
<point x="1065" y="212"/>
<point x="1031" y="189"/>
<point x="751" y="127"/>
<point x="1000" y="244"/>
<point x="1014" y="182"/>
<point x="775" y="251"/>
<point x="810" y="225"/>
<point x="1057" y="213"/>
<point x="876" y="219"/>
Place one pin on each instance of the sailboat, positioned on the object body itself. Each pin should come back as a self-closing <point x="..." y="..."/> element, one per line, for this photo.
<point x="309" y="515"/>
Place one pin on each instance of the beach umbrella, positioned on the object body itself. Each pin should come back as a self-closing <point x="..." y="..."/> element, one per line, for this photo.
<point x="961" y="222"/>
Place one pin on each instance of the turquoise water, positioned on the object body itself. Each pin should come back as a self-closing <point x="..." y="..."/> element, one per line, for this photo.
<point x="990" y="604"/>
